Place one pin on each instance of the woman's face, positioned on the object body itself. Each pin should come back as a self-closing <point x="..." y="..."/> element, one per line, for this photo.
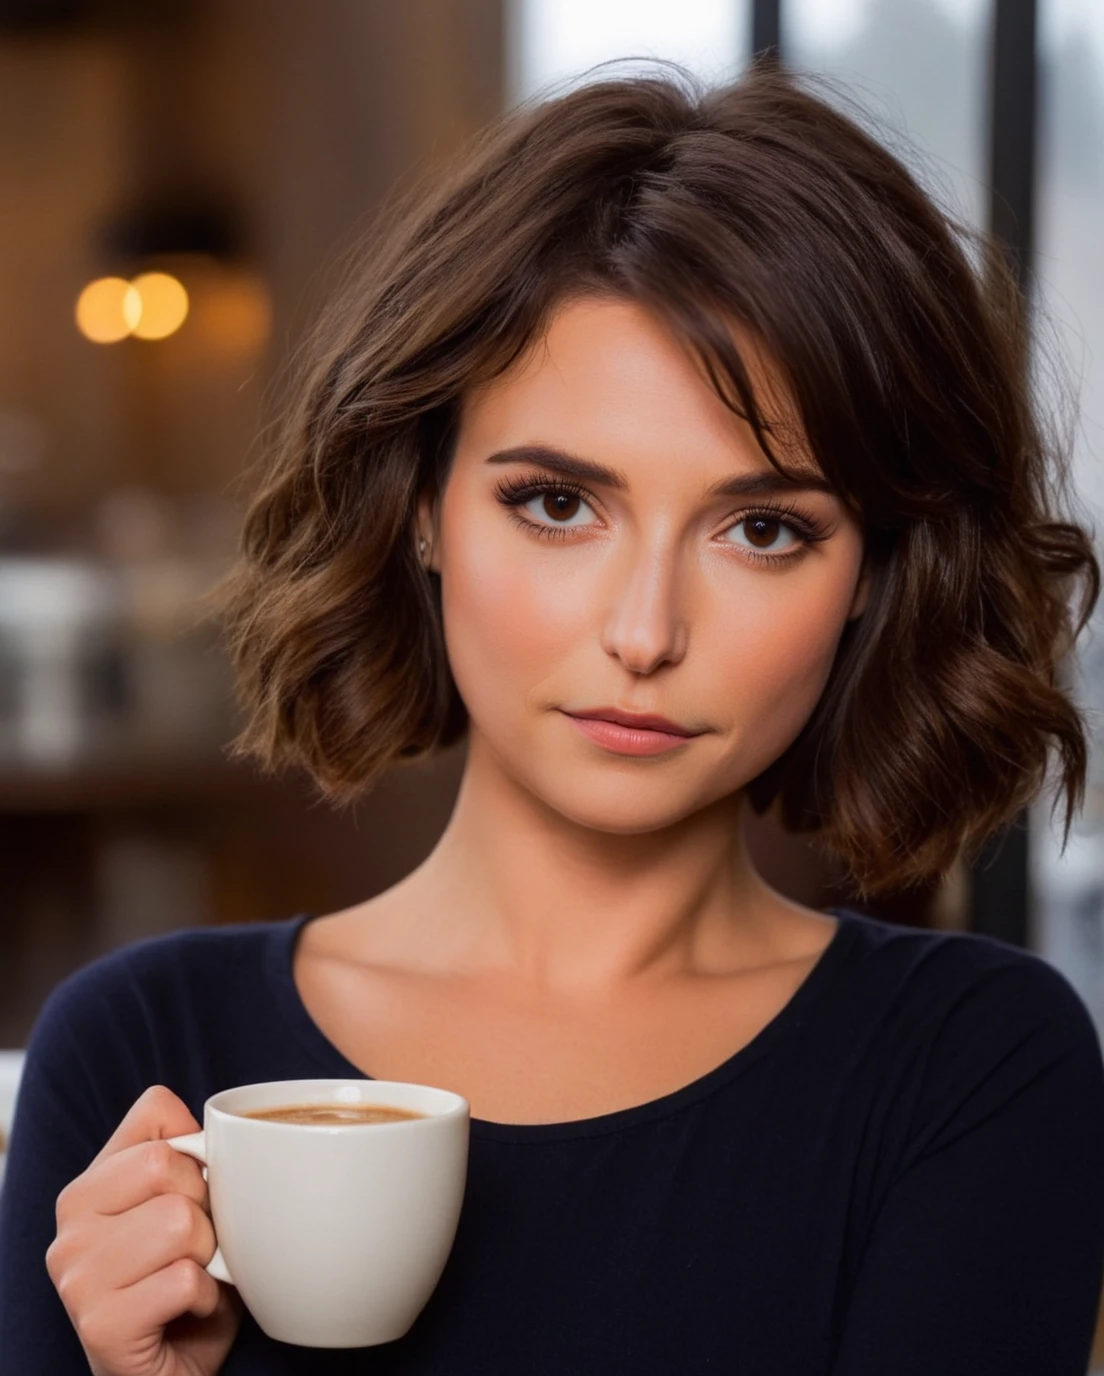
<point x="641" y="591"/>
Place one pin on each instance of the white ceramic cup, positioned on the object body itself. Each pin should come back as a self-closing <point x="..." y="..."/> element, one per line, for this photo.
<point x="335" y="1236"/>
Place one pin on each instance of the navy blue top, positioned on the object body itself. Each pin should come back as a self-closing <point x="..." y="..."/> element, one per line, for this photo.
<point x="903" y="1172"/>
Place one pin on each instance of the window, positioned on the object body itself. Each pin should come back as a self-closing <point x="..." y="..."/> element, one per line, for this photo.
<point x="1070" y="284"/>
<point x="558" y="40"/>
<point x="920" y="67"/>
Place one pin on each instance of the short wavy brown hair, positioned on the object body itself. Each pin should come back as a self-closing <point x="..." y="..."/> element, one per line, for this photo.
<point x="759" y="203"/>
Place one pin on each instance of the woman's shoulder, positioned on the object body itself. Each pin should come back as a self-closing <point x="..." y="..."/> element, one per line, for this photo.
<point x="968" y="999"/>
<point x="169" y="973"/>
<point x="955" y="960"/>
<point x="958" y="1034"/>
<point x="191" y="1009"/>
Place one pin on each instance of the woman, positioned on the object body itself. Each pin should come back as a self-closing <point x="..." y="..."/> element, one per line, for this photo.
<point x="665" y="404"/>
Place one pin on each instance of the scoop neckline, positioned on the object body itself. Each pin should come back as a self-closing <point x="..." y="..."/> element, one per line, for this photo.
<point x="789" y="1018"/>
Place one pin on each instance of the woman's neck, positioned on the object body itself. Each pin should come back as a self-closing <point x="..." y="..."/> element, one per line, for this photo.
<point x="519" y="890"/>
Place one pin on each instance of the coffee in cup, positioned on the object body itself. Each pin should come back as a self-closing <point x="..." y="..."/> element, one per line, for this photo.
<point x="333" y="1236"/>
<point x="332" y="1115"/>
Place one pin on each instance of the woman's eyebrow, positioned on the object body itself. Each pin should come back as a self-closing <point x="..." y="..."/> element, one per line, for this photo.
<point x="758" y="483"/>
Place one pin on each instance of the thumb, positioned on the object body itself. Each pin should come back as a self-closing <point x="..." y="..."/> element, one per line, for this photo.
<point x="157" y="1114"/>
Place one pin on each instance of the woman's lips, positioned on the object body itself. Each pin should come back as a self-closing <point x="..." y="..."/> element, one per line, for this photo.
<point x="627" y="740"/>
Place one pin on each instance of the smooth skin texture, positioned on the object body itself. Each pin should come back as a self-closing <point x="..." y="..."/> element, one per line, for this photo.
<point x="589" y="932"/>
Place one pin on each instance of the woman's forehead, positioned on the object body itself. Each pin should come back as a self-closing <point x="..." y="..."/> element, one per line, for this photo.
<point x="610" y="363"/>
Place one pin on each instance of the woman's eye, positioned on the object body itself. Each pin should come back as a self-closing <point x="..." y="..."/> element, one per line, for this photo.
<point x="555" y="506"/>
<point x="763" y="533"/>
<point x="551" y="510"/>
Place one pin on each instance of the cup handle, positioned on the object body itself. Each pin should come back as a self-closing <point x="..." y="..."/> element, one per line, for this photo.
<point x="193" y="1144"/>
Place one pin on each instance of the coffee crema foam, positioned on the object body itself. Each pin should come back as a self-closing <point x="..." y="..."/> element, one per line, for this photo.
<point x="332" y="1115"/>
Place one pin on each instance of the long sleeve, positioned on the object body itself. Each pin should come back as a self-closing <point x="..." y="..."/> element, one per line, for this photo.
<point x="986" y="1253"/>
<point x="78" y="1063"/>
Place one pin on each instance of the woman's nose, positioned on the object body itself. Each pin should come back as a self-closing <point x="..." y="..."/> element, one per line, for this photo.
<point x="645" y="623"/>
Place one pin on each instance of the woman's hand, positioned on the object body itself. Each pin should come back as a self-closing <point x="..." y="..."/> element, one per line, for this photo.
<point x="133" y="1238"/>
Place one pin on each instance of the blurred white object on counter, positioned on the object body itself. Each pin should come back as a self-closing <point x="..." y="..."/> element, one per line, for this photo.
<point x="11" y="1068"/>
<point x="59" y="642"/>
<point x="104" y="662"/>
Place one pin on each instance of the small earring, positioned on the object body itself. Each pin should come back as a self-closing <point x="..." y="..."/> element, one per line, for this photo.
<point x="422" y="545"/>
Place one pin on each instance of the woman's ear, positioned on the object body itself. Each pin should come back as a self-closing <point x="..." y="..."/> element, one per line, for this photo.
<point x="426" y="530"/>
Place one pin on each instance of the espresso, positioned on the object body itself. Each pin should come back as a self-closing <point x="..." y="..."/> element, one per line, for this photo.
<point x="332" y="1115"/>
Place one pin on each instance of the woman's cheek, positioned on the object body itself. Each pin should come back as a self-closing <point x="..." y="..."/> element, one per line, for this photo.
<point x="507" y="622"/>
<point x="523" y="599"/>
<point x="775" y="659"/>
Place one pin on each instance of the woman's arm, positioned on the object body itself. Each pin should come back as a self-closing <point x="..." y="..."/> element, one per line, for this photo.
<point x="89" y="1059"/>
<point x="986" y="1255"/>
<point x="58" y="1128"/>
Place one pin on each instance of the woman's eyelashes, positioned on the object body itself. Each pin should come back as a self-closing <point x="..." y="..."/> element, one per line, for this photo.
<point x="567" y="496"/>
<point x="561" y="499"/>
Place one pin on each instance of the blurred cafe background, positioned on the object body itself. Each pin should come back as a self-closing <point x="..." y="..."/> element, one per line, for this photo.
<point x="179" y="184"/>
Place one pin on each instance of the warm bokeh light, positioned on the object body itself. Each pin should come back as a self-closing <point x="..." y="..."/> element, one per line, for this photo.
<point x="164" y="305"/>
<point x="108" y="310"/>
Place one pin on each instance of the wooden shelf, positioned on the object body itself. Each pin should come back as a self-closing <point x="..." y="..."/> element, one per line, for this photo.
<point x="139" y="780"/>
